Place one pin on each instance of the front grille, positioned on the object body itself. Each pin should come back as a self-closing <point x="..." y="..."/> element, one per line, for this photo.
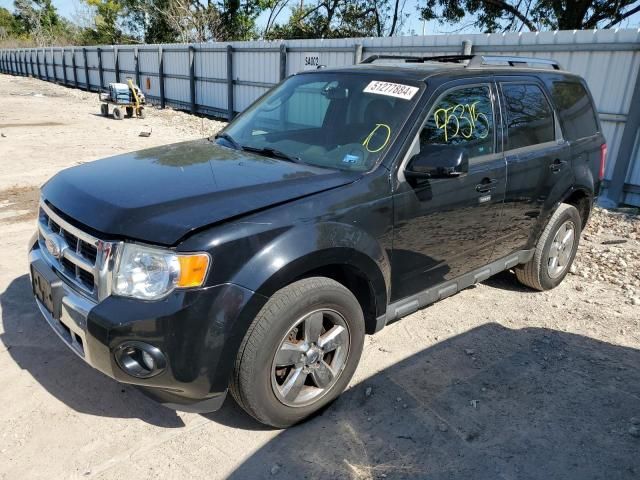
<point x="77" y="261"/>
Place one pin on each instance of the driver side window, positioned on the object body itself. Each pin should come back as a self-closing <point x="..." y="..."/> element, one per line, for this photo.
<point x="462" y="117"/>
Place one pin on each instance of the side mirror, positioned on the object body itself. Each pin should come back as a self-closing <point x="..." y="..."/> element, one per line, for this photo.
<point x="438" y="161"/>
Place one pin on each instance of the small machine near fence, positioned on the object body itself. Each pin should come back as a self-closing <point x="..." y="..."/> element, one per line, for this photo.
<point x="127" y="98"/>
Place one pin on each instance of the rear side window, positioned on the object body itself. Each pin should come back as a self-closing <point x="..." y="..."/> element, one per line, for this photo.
<point x="462" y="117"/>
<point x="575" y="110"/>
<point x="529" y="116"/>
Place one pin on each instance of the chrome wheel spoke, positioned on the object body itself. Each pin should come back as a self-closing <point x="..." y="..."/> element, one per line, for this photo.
<point x="334" y="338"/>
<point x="561" y="249"/>
<point x="292" y="386"/>
<point x="322" y="375"/>
<point x="313" y="327"/>
<point x="289" y="354"/>
<point x="308" y="362"/>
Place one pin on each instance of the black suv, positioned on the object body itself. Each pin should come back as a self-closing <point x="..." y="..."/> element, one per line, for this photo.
<point x="340" y="201"/>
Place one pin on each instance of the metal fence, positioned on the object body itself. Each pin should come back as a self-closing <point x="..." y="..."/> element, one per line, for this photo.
<point x="221" y="79"/>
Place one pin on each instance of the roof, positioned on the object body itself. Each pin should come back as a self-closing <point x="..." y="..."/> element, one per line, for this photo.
<point x="421" y="68"/>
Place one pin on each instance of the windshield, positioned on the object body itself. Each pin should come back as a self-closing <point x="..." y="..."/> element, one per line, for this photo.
<point x="332" y="120"/>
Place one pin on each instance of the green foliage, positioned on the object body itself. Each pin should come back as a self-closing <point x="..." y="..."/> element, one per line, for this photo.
<point x="106" y="29"/>
<point x="534" y="15"/>
<point x="8" y="24"/>
<point x="342" y="19"/>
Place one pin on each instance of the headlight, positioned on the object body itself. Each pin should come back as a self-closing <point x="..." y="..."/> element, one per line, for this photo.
<point x="151" y="273"/>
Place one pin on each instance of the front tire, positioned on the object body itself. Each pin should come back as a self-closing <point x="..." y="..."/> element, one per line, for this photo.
<point x="554" y="252"/>
<point x="299" y="353"/>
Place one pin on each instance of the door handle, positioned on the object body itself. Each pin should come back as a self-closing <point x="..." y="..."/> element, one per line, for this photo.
<point x="486" y="185"/>
<point x="557" y="165"/>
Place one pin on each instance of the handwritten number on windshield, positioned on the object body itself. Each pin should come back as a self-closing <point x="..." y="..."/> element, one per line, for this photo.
<point x="463" y="120"/>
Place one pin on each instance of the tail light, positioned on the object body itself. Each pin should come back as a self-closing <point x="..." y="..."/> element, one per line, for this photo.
<point x="603" y="160"/>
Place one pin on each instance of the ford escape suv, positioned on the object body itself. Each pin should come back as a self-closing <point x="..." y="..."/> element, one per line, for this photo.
<point x="340" y="201"/>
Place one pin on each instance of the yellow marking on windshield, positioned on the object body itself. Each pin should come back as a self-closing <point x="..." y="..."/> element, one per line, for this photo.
<point x="367" y="140"/>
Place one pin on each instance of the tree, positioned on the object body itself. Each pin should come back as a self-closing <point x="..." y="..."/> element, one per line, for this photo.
<point x="342" y="18"/>
<point x="535" y="15"/>
<point x="38" y="19"/>
<point x="105" y="29"/>
<point x="8" y="24"/>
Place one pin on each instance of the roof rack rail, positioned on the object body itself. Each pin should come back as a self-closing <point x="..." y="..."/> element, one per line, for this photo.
<point x="482" y="60"/>
<point x="406" y="58"/>
<point x="414" y="59"/>
<point x="473" y="60"/>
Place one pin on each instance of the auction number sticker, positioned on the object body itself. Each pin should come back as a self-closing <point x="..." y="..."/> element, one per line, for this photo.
<point x="406" y="92"/>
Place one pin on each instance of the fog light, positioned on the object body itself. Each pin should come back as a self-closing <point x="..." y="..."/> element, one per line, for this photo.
<point x="140" y="360"/>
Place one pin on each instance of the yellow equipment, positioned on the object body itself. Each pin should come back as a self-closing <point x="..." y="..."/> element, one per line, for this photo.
<point x="127" y="98"/>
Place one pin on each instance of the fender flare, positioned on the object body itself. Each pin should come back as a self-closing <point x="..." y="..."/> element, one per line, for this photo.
<point x="299" y="251"/>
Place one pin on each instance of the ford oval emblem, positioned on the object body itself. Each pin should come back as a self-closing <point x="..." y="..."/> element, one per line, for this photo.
<point x="55" y="245"/>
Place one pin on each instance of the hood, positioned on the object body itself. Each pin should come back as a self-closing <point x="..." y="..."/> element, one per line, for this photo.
<point x="161" y="194"/>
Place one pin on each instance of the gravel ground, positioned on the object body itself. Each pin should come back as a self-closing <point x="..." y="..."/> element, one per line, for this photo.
<point x="497" y="382"/>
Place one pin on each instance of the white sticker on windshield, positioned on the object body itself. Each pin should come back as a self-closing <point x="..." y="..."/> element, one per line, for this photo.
<point x="397" y="90"/>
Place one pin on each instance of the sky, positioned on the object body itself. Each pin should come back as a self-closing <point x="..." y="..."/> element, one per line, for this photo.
<point x="68" y="8"/>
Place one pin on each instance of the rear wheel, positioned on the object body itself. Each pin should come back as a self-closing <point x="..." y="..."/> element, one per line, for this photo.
<point x="299" y="353"/>
<point x="555" y="251"/>
<point x="104" y="109"/>
<point x="129" y="112"/>
<point x="118" y="114"/>
<point x="142" y="113"/>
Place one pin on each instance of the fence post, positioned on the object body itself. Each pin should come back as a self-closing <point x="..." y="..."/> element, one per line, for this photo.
<point x="357" y="53"/>
<point x="38" y="64"/>
<point x="64" y="65"/>
<point x="53" y="63"/>
<point x="466" y="47"/>
<point x="615" y="192"/>
<point x="230" y="101"/>
<point x="86" y="70"/>
<point x="192" y="77"/>
<point x="283" y="61"/>
<point x="116" y="63"/>
<point x="33" y="70"/>
<point x="73" y="65"/>
<point x="137" y="65"/>
<point x="161" y="75"/>
<point x="20" y="62"/>
<point x="46" y="65"/>
<point x="100" y="72"/>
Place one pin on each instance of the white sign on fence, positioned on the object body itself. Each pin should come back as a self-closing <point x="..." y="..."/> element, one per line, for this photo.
<point x="310" y="61"/>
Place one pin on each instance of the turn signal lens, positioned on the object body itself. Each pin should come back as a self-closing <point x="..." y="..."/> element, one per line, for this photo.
<point x="193" y="270"/>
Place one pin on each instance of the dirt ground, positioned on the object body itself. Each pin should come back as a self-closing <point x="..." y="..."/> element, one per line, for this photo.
<point x="497" y="382"/>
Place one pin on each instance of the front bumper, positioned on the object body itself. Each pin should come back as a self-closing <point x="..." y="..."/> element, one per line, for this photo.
<point x="199" y="332"/>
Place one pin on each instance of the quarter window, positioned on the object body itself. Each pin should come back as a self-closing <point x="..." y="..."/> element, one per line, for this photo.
<point x="575" y="110"/>
<point x="462" y="118"/>
<point x="529" y="116"/>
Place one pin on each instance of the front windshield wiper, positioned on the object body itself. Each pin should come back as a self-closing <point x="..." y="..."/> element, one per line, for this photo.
<point x="271" y="152"/>
<point x="230" y="139"/>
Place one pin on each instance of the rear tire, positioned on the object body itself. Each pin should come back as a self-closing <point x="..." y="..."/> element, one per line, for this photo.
<point x="142" y="113"/>
<point x="554" y="252"/>
<point x="118" y="114"/>
<point x="281" y="375"/>
<point x="104" y="109"/>
<point x="129" y="112"/>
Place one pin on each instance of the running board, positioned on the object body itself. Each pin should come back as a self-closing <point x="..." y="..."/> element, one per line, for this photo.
<point x="409" y="305"/>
